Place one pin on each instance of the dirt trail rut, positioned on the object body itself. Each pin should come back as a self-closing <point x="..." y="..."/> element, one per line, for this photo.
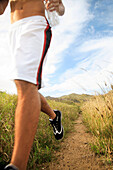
<point x="76" y="153"/>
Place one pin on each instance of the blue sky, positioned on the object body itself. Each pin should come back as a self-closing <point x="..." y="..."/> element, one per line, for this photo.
<point x="80" y="59"/>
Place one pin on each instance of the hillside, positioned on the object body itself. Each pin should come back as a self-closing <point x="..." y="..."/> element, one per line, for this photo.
<point x="71" y="98"/>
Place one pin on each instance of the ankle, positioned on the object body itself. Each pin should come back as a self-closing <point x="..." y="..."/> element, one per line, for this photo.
<point x="53" y="116"/>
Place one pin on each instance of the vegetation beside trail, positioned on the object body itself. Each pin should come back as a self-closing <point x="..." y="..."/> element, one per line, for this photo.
<point x="44" y="143"/>
<point x="98" y="117"/>
<point x="97" y="114"/>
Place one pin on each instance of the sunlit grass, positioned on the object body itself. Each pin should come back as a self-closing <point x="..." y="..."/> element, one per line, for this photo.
<point x="98" y="116"/>
<point x="44" y="143"/>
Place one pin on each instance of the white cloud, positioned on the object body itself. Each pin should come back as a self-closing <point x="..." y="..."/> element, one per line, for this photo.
<point x="5" y="84"/>
<point x="66" y="32"/>
<point x="90" y="74"/>
<point x="64" y="35"/>
<point x="95" y="69"/>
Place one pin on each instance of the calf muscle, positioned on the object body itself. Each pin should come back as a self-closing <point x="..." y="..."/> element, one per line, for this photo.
<point x="26" y="121"/>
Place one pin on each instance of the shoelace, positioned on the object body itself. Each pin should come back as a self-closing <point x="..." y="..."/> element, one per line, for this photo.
<point x="56" y="125"/>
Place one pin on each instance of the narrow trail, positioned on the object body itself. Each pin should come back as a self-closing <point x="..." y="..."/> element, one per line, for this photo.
<point x="75" y="152"/>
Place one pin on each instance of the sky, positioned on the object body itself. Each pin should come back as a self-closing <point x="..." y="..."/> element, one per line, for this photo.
<point x="80" y="58"/>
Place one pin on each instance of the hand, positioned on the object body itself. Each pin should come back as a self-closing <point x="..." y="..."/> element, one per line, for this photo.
<point x="52" y="5"/>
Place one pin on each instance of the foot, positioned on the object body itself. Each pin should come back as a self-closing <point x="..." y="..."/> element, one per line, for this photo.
<point x="11" y="167"/>
<point x="57" y="126"/>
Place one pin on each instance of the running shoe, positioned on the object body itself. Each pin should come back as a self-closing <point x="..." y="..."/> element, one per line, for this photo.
<point x="57" y="125"/>
<point x="10" y="167"/>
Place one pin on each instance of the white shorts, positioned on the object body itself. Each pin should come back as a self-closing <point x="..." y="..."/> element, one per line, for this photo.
<point x="29" y="40"/>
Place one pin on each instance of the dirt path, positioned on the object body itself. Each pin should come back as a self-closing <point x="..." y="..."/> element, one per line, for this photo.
<point x="75" y="152"/>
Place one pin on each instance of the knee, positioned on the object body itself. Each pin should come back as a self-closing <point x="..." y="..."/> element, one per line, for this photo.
<point x="24" y="87"/>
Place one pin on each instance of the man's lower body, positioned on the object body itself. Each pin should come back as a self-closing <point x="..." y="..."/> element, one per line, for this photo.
<point x="30" y="40"/>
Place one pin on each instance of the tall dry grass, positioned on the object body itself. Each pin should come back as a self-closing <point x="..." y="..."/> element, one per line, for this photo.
<point x="98" y="116"/>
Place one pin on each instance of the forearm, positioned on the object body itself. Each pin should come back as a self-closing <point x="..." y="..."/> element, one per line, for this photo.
<point x="3" y="5"/>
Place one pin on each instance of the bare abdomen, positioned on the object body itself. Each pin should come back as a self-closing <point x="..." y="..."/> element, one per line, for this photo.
<point x="20" y="9"/>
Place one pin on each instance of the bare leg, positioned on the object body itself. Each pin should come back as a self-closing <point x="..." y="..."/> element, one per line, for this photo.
<point x="26" y="120"/>
<point x="46" y="108"/>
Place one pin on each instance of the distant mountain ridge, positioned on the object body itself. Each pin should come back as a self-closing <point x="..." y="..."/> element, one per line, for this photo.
<point x="71" y="98"/>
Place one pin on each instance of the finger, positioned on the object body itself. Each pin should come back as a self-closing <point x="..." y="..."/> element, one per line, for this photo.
<point x="55" y="1"/>
<point x="52" y="1"/>
<point x="52" y="5"/>
<point x="52" y="9"/>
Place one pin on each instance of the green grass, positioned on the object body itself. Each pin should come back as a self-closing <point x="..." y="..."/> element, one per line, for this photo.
<point x="44" y="143"/>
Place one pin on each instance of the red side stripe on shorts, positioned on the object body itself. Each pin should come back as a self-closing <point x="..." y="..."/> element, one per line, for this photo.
<point x="47" y="40"/>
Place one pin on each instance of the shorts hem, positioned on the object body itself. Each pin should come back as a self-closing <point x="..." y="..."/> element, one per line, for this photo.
<point x="24" y="79"/>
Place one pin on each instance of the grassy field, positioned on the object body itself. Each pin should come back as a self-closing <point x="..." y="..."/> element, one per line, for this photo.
<point x="98" y="117"/>
<point x="44" y="143"/>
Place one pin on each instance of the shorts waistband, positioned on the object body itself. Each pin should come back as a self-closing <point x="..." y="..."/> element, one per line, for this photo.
<point x="31" y="18"/>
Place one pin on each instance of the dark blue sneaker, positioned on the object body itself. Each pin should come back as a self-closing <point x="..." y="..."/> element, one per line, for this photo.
<point x="57" y="125"/>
